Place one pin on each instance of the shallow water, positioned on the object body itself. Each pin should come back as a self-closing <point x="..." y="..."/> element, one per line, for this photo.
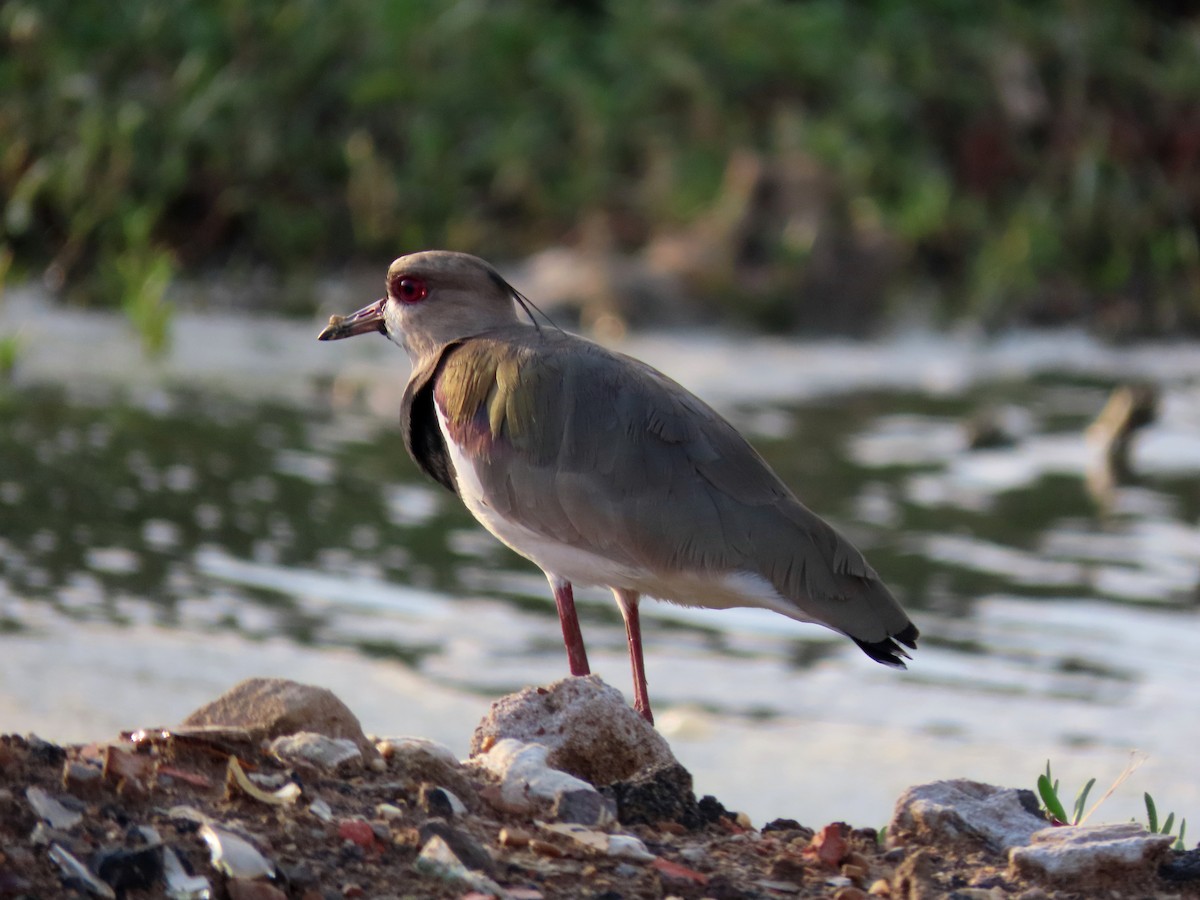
<point x="246" y="507"/>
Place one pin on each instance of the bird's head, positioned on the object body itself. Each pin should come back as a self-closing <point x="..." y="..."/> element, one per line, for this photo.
<point x="433" y="298"/>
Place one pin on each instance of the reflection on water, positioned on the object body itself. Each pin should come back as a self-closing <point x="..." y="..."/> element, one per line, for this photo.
<point x="1045" y="614"/>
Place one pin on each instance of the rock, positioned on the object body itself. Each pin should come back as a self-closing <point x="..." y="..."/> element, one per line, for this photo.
<point x="656" y="795"/>
<point x="401" y="747"/>
<point x="419" y="761"/>
<point x="358" y="831"/>
<point x="528" y="784"/>
<point x="317" y="750"/>
<point x="622" y="845"/>
<point x="514" y="836"/>
<point x="472" y="854"/>
<point x="389" y="812"/>
<point x="675" y="872"/>
<point x="131" y="869"/>
<point x="914" y="878"/>
<point x="321" y="810"/>
<point x="829" y="846"/>
<point x="588" y="728"/>
<point x="437" y="858"/>
<point x="128" y="770"/>
<point x="1182" y="866"/>
<point x="271" y="707"/>
<point x="584" y="808"/>
<point x="82" y="779"/>
<point x="437" y="801"/>
<point x="950" y="812"/>
<point x="1091" y="857"/>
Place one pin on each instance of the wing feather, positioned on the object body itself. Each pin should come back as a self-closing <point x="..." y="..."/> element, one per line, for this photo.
<point x="606" y="454"/>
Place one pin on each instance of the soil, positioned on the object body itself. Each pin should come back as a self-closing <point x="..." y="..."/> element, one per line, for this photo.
<point x="379" y="816"/>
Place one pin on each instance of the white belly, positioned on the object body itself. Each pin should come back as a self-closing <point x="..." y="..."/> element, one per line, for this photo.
<point x="714" y="590"/>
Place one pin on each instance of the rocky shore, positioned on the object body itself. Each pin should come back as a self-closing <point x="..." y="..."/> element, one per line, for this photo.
<point x="273" y="791"/>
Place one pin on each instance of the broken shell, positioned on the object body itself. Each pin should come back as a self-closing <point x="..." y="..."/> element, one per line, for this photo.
<point x="237" y="776"/>
<point x="235" y="856"/>
<point x="54" y="813"/>
<point x="75" y="871"/>
<point x="181" y="885"/>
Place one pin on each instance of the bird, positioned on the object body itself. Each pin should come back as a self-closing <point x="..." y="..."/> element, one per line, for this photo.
<point x="601" y="470"/>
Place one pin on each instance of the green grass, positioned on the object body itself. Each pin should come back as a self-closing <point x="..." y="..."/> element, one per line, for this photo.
<point x="1027" y="160"/>
<point x="1052" y="805"/>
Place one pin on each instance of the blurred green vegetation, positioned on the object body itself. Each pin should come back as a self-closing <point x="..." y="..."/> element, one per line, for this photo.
<point x="1019" y="161"/>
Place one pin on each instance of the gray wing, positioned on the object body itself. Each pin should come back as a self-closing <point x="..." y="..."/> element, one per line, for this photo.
<point x="609" y="455"/>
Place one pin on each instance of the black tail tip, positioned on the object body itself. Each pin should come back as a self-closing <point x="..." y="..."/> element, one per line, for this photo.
<point x="888" y="651"/>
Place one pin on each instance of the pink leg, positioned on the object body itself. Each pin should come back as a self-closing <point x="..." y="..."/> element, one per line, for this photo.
<point x="564" y="599"/>
<point x="628" y="601"/>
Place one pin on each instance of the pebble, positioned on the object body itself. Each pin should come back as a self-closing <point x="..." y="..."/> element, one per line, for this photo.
<point x="584" y="808"/>
<point x="325" y="753"/>
<point x="436" y="858"/>
<point x="357" y="831"/>
<point x="438" y="801"/>
<point x="673" y="871"/>
<point x="321" y="810"/>
<point x="466" y="848"/>
<point x="514" y="837"/>
<point x="388" y="812"/>
<point x="82" y="779"/>
<point x="545" y="848"/>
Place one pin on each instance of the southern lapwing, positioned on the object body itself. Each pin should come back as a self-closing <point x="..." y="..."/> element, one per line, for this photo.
<point x="601" y="470"/>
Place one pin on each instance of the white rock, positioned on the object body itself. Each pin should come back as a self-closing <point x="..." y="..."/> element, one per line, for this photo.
<point x="326" y="753"/>
<point x="587" y="726"/>
<point x="527" y="783"/>
<point x="950" y="811"/>
<point x="321" y="810"/>
<point x="393" y="745"/>
<point x="1073" y="852"/>
<point x="625" y="846"/>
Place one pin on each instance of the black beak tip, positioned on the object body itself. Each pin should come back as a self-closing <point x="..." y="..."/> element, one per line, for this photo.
<point x="333" y="329"/>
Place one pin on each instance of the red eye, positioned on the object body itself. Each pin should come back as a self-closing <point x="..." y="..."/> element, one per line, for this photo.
<point x="411" y="290"/>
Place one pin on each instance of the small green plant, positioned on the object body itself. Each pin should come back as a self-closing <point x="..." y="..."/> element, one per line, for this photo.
<point x="6" y="262"/>
<point x="1152" y="822"/>
<point x="1047" y="787"/>
<point x="1052" y="805"/>
<point x="140" y="274"/>
<point x="144" y="278"/>
<point x="10" y="350"/>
